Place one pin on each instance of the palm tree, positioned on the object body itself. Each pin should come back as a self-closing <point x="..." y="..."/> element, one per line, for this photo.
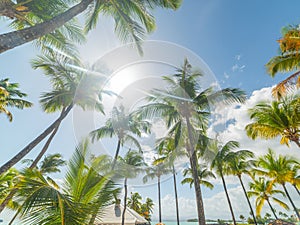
<point x="287" y="61"/>
<point x="7" y="183"/>
<point x="239" y="165"/>
<point x="185" y="109"/>
<point x="203" y="173"/>
<point x="263" y="190"/>
<point x="129" y="167"/>
<point x="280" y="170"/>
<point x="123" y="126"/>
<point x="134" y="202"/>
<point x="44" y="201"/>
<point x="279" y="118"/>
<point x="157" y="170"/>
<point x="168" y="154"/>
<point x="220" y="163"/>
<point x="11" y="96"/>
<point x="50" y="164"/>
<point x="132" y="20"/>
<point x="69" y="89"/>
<point x="147" y="209"/>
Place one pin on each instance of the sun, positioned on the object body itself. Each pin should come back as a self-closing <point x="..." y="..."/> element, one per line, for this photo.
<point x="122" y="79"/>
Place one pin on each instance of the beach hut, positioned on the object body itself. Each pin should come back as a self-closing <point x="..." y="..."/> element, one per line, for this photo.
<point x="112" y="215"/>
<point x="281" y="222"/>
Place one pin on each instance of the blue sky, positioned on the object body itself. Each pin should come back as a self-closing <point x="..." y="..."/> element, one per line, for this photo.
<point x="235" y="38"/>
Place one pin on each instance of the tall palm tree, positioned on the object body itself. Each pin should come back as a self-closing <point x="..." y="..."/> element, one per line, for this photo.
<point x="46" y="202"/>
<point x="278" y="118"/>
<point x="280" y="170"/>
<point x="11" y="96"/>
<point x="264" y="190"/>
<point x="123" y="126"/>
<point x="224" y="155"/>
<point x="287" y="61"/>
<point x="132" y="19"/>
<point x="156" y="171"/>
<point x="240" y="164"/>
<point x="203" y="174"/>
<point x="69" y="89"/>
<point x="168" y="155"/>
<point x="129" y="167"/>
<point x="185" y="108"/>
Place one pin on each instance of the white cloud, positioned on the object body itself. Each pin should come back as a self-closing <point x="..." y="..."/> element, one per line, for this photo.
<point x="226" y="75"/>
<point x="238" y="68"/>
<point x="230" y="122"/>
<point x="238" y="57"/>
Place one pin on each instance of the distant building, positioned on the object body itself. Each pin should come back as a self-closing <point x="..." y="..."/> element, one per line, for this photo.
<point x="112" y="215"/>
<point x="281" y="222"/>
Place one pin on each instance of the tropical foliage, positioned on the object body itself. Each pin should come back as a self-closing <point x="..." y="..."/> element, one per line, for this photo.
<point x="11" y="96"/>
<point x="278" y="118"/>
<point x="38" y="18"/>
<point x="124" y="126"/>
<point x="83" y="193"/>
<point x="185" y="108"/>
<point x="287" y="61"/>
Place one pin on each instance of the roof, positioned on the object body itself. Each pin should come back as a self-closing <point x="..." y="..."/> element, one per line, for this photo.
<point x="112" y="214"/>
<point x="281" y="222"/>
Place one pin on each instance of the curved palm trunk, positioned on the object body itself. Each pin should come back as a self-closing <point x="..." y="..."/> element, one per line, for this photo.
<point x="35" y="142"/>
<point x="176" y="196"/>
<point x="272" y="209"/>
<point x="228" y="199"/>
<point x="44" y="149"/>
<point x="297" y="142"/>
<point x="193" y="162"/>
<point x="125" y="201"/>
<point x="8" y="198"/>
<point x="289" y="197"/>
<point x="16" y="38"/>
<point x="116" y="154"/>
<point x="245" y="192"/>
<point x="159" y="200"/>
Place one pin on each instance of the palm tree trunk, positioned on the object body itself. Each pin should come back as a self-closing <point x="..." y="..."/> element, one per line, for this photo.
<point x="176" y="196"/>
<point x="295" y="186"/>
<point x="193" y="163"/>
<point x="245" y="192"/>
<point x="297" y="142"/>
<point x="7" y="199"/>
<point x="125" y="201"/>
<point x="116" y="154"/>
<point x="35" y="142"/>
<point x="16" y="38"/>
<point x="289" y="197"/>
<point x="159" y="200"/>
<point x="45" y="148"/>
<point x="228" y="199"/>
<point x="272" y="209"/>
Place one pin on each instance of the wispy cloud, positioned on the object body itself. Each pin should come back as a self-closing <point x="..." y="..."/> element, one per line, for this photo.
<point x="238" y="57"/>
<point x="238" y="68"/>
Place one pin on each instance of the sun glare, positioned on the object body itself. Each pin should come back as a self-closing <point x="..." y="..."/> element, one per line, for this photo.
<point x="122" y="79"/>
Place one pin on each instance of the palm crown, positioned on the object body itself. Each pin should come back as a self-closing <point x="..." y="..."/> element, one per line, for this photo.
<point x="11" y="96"/>
<point x="278" y="118"/>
